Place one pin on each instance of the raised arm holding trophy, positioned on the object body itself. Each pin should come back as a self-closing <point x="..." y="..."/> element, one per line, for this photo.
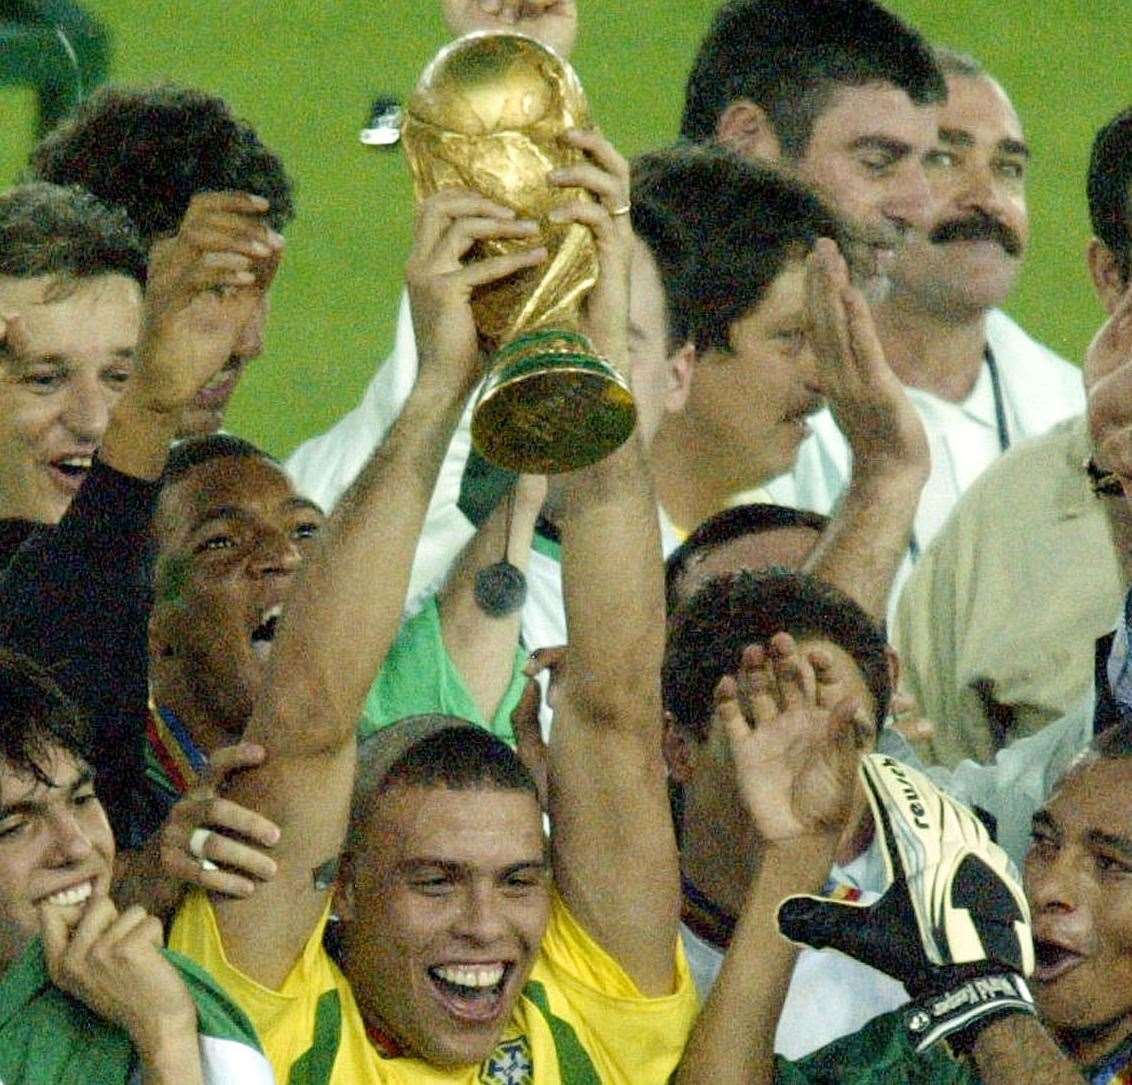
<point x="489" y="114"/>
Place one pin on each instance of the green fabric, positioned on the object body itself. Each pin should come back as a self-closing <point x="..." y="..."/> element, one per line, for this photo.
<point x="316" y="1066"/>
<point x="419" y="677"/>
<point x="878" y="1054"/>
<point x="574" y="1065"/>
<point x="48" y="1038"/>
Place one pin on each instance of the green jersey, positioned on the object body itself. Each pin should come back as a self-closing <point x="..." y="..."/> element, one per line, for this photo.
<point x="49" y="1038"/>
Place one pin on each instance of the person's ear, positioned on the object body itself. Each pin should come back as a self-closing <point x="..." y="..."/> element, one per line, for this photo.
<point x="159" y="644"/>
<point x="1105" y="272"/>
<point x="746" y="129"/>
<point x="679" y="751"/>
<point x="679" y="384"/>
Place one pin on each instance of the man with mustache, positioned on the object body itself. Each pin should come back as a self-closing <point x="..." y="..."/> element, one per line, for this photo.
<point x="979" y="382"/>
<point x="1044" y="550"/>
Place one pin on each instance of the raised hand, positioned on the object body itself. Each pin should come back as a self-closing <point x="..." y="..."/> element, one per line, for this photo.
<point x="440" y="284"/>
<point x="795" y="760"/>
<point x="233" y="857"/>
<point x="204" y="286"/>
<point x="529" y="743"/>
<point x="866" y="399"/>
<point x="605" y="174"/>
<point x="1108" y="382"/>
<point x="553" y="22"/>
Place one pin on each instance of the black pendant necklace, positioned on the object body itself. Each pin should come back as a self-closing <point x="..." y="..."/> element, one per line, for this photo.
<point x="501" y="588"/>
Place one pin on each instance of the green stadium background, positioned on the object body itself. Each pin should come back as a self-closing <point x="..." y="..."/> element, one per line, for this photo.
<point x="305" y="73"/>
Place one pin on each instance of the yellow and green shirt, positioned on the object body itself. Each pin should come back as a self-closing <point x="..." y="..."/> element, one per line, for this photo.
<point x="580" y="1019"/>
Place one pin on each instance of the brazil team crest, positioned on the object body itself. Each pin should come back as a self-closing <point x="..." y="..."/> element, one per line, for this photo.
<point x="509" y="1064"/>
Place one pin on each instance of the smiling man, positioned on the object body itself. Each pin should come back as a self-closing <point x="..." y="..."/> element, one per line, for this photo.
<point x="978" y="381"/>
<point x="466" y="956"/>
<point x="71" y="276"/>
<point x="86" y="992"/>
<point x="842" y="94"/>
<point x="78" y="596"/>
<point x="149" y="151"/>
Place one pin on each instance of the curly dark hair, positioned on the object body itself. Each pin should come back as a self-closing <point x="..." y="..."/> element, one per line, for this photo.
<point x="1109" y="187"/>
<point x="707" y="635"/>
<point x="721" y="230"/>
<point x="51" y="230"/>
<point x="150" y="150"/>
<point x="35" y="715"/>
<point x="726" y="526"/>
<point x="789" y="56"/>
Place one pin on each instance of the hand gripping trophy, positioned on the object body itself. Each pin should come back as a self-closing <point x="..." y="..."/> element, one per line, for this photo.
<point x="488" y="114"/>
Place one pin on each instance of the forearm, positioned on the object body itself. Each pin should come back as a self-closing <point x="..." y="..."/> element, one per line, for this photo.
<point x="1017" y="1049"/>
<point x="137" y="440"/>
<point x="480" y="645"/>
<point x="613" y="589"/>
<point x="171" y="1056"/>
<point x="733" y="1041"/>
<point x="861" y="550"/>
<point x="346" y="604"/>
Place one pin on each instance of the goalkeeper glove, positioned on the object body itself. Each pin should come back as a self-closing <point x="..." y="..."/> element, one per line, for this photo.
<point x="953" y="925"/>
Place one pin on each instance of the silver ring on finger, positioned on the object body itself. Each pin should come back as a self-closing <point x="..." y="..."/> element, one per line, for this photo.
<point x="617" y="212"/>
<point x="197" y="841"/>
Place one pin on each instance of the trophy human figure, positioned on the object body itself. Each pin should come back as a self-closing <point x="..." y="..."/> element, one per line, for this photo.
<point x="489" y="114"/>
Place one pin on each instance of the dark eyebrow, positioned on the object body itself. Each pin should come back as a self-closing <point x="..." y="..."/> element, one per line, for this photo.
<point x="304" y="503"/>
<point x="1042" y="820"/>
<point x="1015" y="147"/>
<point x="959" y="137"/>
<point x="956" y="137"/>
<point x="219" y="512"/>
<point x="895" y="147"/>
<point x="32" y="806"/>
<point x="523" y="868"/>
<point x="1110" y="840"/>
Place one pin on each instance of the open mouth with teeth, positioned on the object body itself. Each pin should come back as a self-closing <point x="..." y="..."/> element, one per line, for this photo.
<point x="263" y="635"/>
<point x="71" y="470"/>
<point x="72" y="896"/>
<point x="220" y="387"/>
<point x="473" y="992"/>
<point x="1052" y="961"/>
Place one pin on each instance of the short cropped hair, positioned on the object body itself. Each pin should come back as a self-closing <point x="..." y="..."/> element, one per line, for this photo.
<point x="722" y="229"/>
<point x="454" y="753"/>
<point x="953" y="62"/>
<point x="707" y="635"/>
<point x="1109" y="187"/>
<point x="149" y="150"/>
<point x="725" y="526"/>
<point x="36" y="716"/>
<point x="191" y="453"/>
<point x="789" y="56"/>
<point x="65" y="232"/>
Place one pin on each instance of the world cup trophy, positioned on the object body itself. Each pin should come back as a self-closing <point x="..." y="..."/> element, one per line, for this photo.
<point x="489" y="114"/>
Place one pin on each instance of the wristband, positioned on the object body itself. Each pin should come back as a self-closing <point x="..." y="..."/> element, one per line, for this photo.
<point x="960" y="1014"/>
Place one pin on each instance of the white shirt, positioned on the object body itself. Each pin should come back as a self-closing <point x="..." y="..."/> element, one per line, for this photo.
<point x="1039" y="389"/>
<point x="830" y="995"/>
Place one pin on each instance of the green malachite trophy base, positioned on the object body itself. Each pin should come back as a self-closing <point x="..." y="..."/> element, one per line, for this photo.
<point x="551" y="404"/>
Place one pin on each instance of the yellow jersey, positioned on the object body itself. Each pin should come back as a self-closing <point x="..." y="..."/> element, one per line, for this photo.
<point x="580" y="1019"/>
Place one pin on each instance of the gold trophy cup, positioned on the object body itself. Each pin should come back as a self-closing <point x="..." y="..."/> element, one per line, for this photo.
<point x="488" y="114"/>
